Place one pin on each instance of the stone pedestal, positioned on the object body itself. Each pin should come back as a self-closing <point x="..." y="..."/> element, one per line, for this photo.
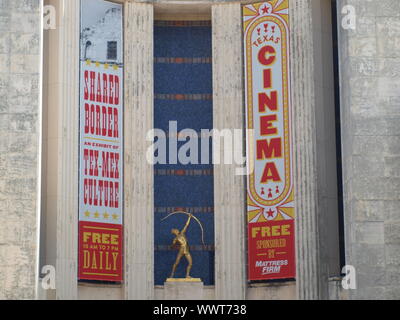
<point x="183" y="289"/>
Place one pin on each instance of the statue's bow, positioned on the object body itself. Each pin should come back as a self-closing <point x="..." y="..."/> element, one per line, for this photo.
<point x="194" y="217"/>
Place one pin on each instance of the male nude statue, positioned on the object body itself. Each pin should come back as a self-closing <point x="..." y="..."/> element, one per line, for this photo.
<point x="181" y="241"/>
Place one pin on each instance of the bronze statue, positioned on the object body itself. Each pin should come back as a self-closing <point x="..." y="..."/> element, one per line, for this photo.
<point x="180" y="241"/>
<point x="183" y="245"/>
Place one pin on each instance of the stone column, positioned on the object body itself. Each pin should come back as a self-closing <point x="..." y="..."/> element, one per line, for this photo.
<point x="20" y="135"/>
<point x="66" y="86"/>
<point x="139" y="203"/>
<point x="229" y="189"/>
<point x="308" y="257"/>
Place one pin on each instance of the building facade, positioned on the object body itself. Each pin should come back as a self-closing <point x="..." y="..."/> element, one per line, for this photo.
<point x="165" y="63"/>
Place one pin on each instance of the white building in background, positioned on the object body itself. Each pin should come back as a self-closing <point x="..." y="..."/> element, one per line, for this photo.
<point x="102" y="40"/>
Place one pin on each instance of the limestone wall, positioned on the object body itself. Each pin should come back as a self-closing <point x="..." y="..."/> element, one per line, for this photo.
<point x="370" y="104"/>
<point x="20" y="41"/>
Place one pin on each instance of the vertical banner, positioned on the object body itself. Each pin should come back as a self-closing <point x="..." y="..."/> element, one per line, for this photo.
<point x="101" y="142"/>
<point x="270" y="195"/>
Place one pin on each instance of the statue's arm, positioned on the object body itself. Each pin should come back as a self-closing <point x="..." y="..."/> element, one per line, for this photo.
<point x="187" y="224"/>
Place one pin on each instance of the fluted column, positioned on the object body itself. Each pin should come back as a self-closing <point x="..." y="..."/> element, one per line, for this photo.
<point x="139" y="204"/>
<point x="308" y="272"/>
<point x="68" y="130"/>
<point x="229" y="189"/>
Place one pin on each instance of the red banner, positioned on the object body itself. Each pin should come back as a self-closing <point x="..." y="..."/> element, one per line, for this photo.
<point x="272" y="251"/>
<point x="270" y="193"/>
<point x="100" y="251"/>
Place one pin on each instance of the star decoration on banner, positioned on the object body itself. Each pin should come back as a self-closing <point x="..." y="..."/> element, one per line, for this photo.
<point x="265" y="10"/>
<point x="115" y="67"/>
<point x="106" y="66"/>
<point x="97" y="64"/>
<point x="87" y="213"/>
<point x="96" y="214"/>
<point x="270" y="213"/>
<point x="106" y="215"/>
<point x="115" y="216"/>
<point x="88" y="62"/>
<point x="257" y="10"/>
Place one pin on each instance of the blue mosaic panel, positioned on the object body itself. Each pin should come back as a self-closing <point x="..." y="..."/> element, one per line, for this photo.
<point x="183" y="93"/>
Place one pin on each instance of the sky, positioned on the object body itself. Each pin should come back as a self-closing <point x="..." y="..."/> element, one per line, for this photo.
<point x="93" y="11"/>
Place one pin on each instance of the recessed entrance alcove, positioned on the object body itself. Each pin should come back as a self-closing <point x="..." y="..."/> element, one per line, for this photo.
<point x="183" y="100"/>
